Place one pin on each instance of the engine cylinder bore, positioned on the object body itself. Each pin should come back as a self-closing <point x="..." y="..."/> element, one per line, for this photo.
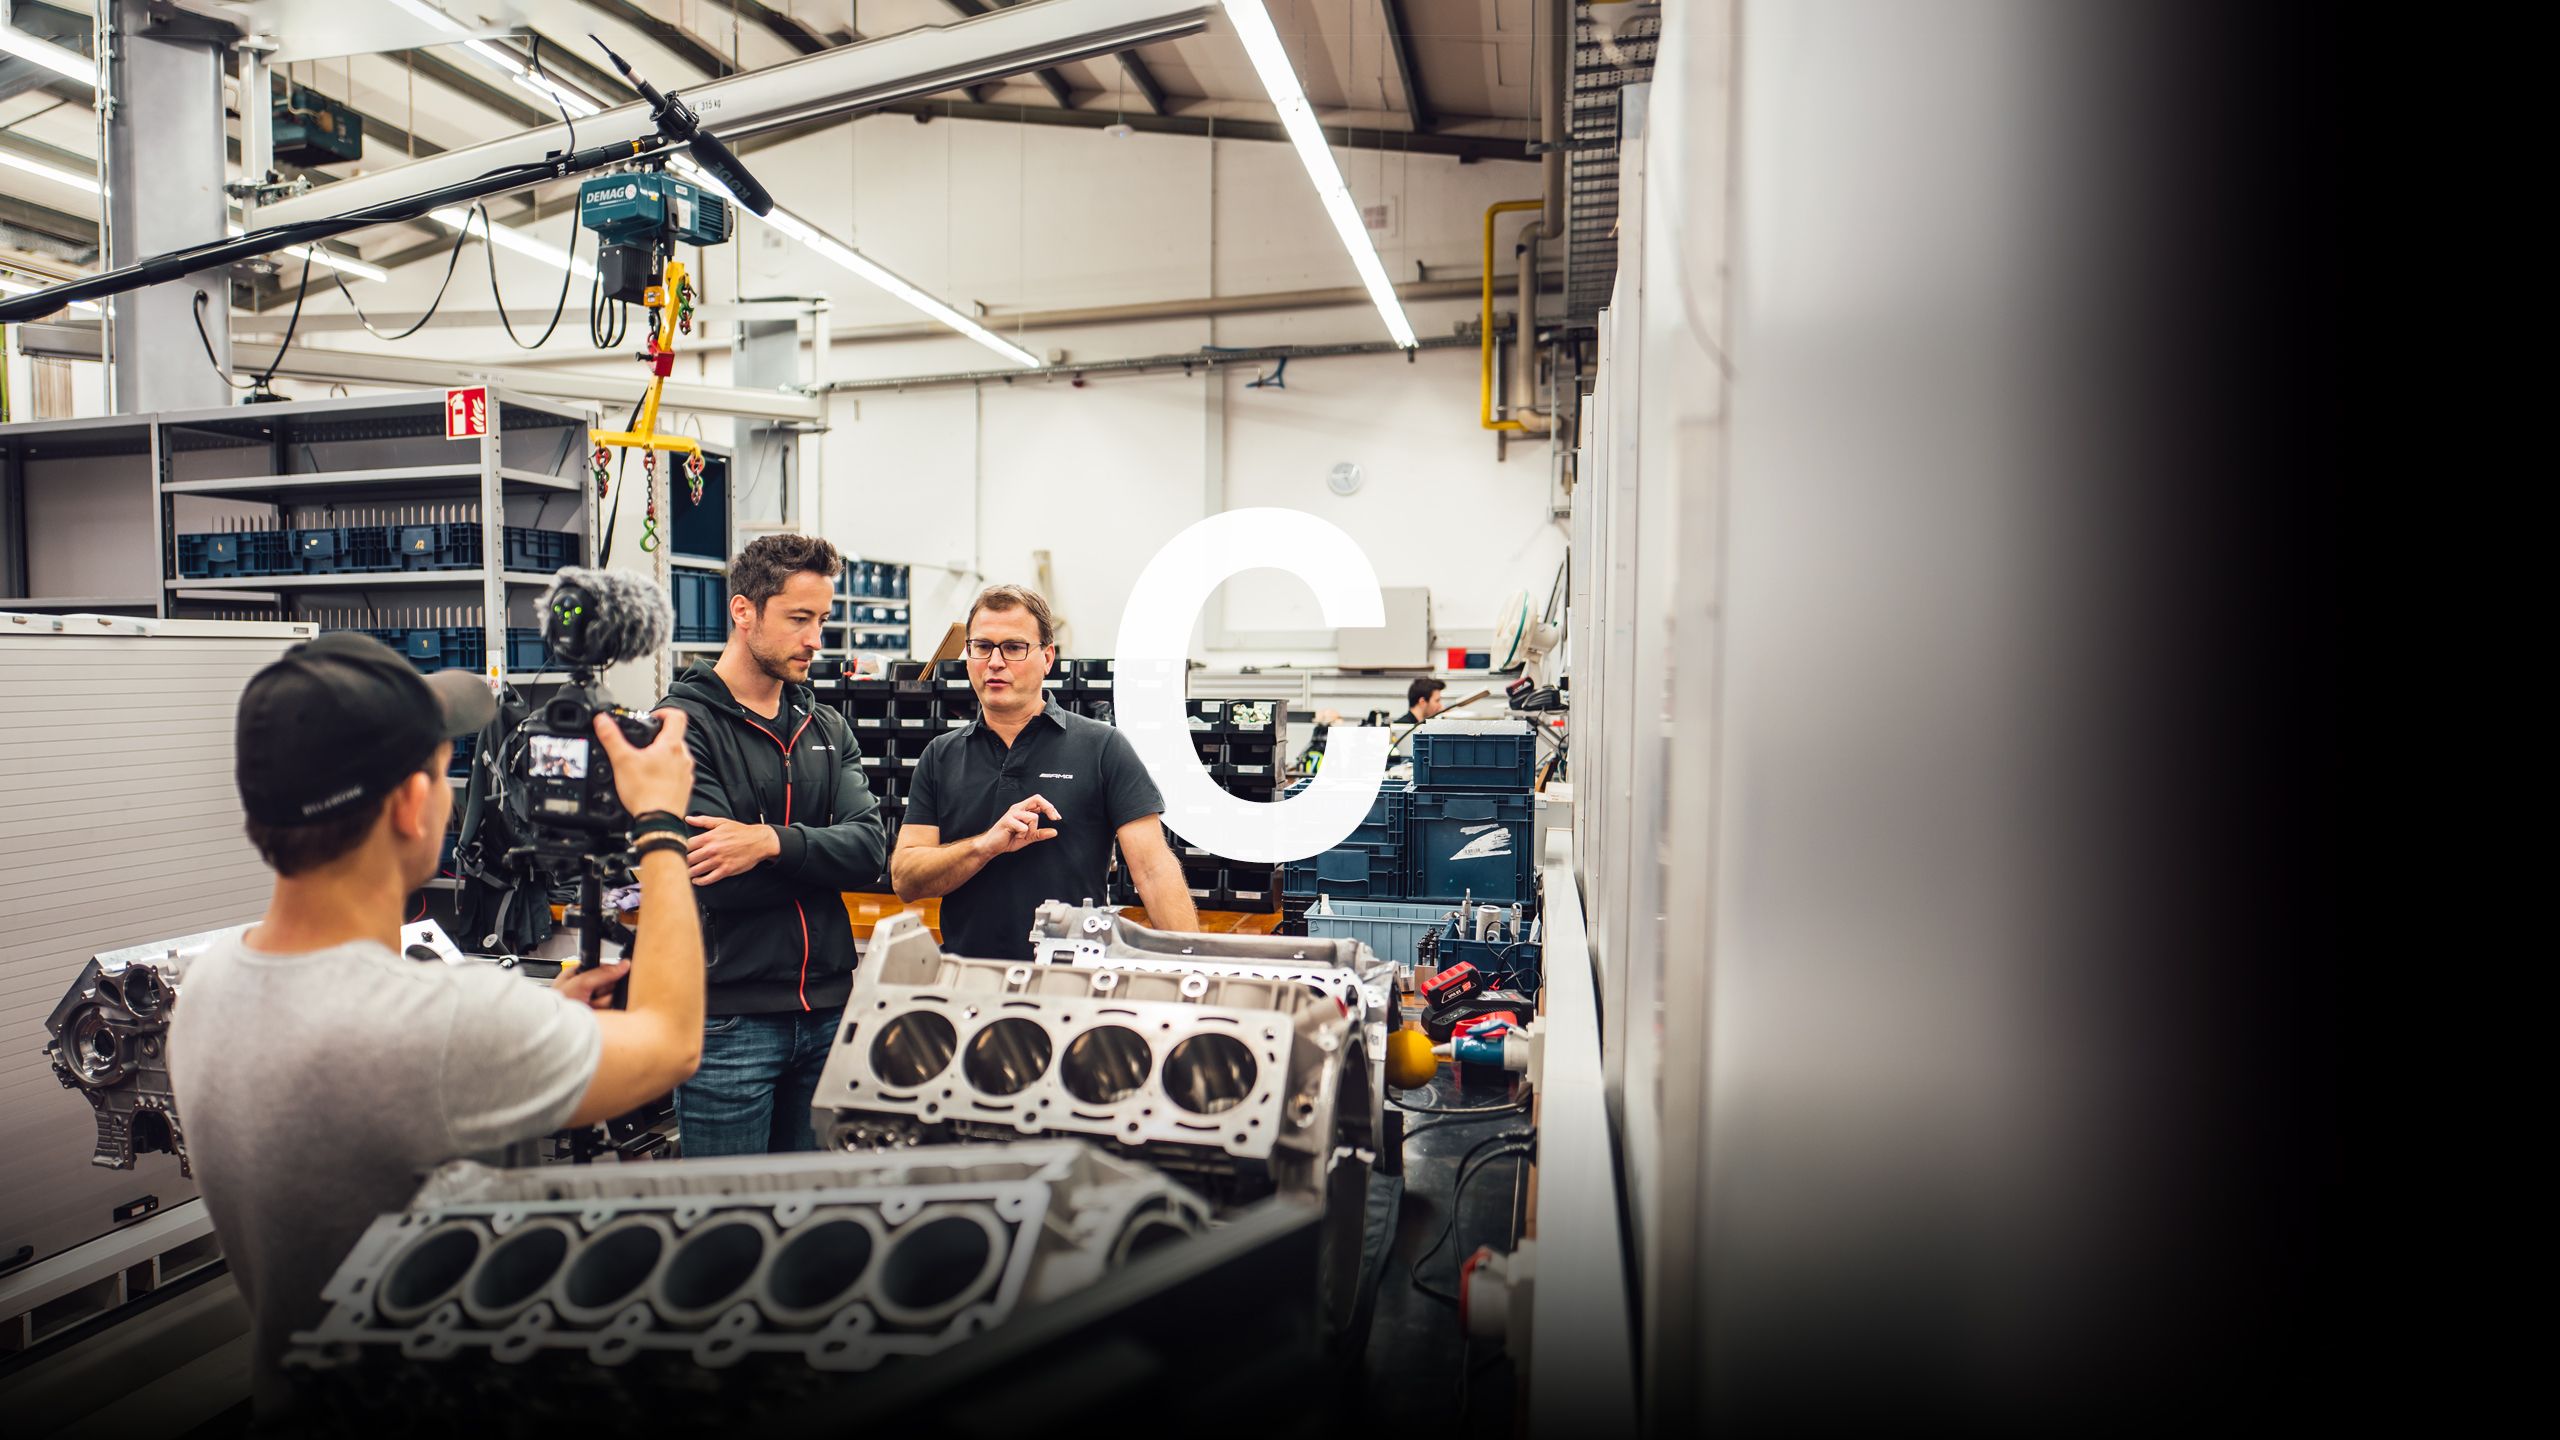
<point x="938" y="1263"/>
<point x="516" y="1269"/>
<point x="1006" y="1056"/>
<point x="1208" y="1073"/>
<point x="710" y="1267"/>
<point x="611" y="1268"/>
<point x="819" y="1267"/>
<point x="427" y="1271"/>
<point x="1106" y="1064"/>
<point x="913" y="1048"/>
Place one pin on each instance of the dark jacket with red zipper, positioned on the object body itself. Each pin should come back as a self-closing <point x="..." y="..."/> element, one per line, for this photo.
<point x="777" y="937"/>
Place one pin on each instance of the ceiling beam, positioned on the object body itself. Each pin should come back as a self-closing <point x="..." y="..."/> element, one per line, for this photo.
<point x="670" y="36"/>
<point x="1050" y="80"/>
<point x="71" y="230"/>
<point x="785" y="28"/>
<point x="519" y="107"/>
<point x="1144" y="80"/>
<point x="1417" y="105"/>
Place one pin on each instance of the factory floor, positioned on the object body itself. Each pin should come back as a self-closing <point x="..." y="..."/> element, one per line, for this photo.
<point x="1420" y="1369"/>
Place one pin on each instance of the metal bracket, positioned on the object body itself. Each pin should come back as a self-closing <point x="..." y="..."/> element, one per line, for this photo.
<point x="267" y="193"/>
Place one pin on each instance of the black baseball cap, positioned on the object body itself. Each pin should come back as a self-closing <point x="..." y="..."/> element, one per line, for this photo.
<point x="341" y="720"/>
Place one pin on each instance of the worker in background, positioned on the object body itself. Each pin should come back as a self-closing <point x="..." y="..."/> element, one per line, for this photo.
<point x="1421" y="702"/>
<point x="1034" y="797"/>
<point x="784" y="823"/>
<point x="321" y="1072"/>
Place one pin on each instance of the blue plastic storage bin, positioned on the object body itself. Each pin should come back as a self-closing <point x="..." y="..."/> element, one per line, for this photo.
<point x="526" y="650"/>
<point x="1472" y="844"/>
<point x="702" y="609"/>
<point x="239" y="552"/>
<point x="432" y="648"/>
<point x="1463" y="760"/>
<point x="1351" y="871"/>
<point x="344" y="549"/>
<point x="541" y="551"/>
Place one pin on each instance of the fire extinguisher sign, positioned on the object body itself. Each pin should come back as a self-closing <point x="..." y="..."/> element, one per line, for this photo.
<point x="466" y="413"/>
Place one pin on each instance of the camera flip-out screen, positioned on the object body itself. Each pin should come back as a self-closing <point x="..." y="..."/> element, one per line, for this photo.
<point x="557" y="757"/>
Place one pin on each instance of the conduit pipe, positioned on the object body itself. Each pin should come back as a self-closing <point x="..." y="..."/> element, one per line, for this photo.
<point x="1484" y="383"/>
<point x="1555" y="72"/>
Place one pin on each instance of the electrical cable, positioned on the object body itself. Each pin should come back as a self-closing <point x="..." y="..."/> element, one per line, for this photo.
<point x="1518" y="1142"/>
<point x="292" y="324"/>
<point x="488" y="228"/>
<point x="452" y="259"/>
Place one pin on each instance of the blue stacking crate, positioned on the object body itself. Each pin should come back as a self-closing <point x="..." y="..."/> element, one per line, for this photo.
<point x="464" y="746"/>
<point x="542" y="551"/>
<point x="701" y="598"/>
<point x="1464" y="760"/>
<point x="1467" y="843"/>
<point x="445" y="647"/>
<point x="526" y="650"/>
<point x="444" y="545"/>
<point x="345" y="549"/>
<point x="1351" y="871"/>
<point x="1389" y="814"/>
<point x="239" y="552"/>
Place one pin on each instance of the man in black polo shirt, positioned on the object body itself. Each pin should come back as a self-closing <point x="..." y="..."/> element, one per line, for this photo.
<point x="1037" y="796"/>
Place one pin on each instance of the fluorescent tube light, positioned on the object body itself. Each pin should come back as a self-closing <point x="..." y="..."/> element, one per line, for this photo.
<point x="841" y="254"/>
<point x="1271" y="62"/>
<point x="50" y="172"/>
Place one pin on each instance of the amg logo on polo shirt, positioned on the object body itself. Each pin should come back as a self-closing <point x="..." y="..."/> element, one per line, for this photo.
<point x="1051" y="775"/>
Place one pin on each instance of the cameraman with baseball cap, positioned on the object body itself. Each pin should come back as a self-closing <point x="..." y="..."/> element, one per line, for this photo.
<point x="319" y="1073"/>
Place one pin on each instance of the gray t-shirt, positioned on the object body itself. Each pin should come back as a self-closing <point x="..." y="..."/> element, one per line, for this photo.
<point x="318" y="1089"/>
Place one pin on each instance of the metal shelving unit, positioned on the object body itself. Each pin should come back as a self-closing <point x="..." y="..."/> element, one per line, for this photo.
<point x="75" y="498"/>
<point x="377" y="459"/>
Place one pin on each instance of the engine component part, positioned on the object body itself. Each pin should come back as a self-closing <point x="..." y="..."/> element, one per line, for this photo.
<point x="110" y="1041"/>
<point x="632" y="1280"/>
<point x="1258" y="1081"/>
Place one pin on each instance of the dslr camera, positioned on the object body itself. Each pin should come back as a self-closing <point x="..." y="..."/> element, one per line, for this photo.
<point x="590" y="619"/>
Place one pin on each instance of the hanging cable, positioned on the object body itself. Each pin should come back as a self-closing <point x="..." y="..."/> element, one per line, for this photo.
<point x="452" y="258"/>
<point x="292" y="323"/>
<point x="488" y="229"/>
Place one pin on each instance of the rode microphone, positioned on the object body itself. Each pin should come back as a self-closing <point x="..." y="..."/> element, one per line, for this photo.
<point x="595" y="618"/>
<point x="676" y="120"/>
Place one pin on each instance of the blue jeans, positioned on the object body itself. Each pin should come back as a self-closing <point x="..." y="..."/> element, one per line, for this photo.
<point x="758" y="1077"/>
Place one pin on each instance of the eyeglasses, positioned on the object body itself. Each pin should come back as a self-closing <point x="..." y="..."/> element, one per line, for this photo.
<point x="1014" y="651"/>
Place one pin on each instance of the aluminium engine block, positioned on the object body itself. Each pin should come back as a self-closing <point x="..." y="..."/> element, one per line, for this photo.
<point x="623" y="1289"/>
<point x="1100" y="937"/>
<point x="1256" y="1083"/>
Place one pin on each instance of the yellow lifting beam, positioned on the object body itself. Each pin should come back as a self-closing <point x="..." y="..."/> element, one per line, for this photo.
<point x="670" y="306"/>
